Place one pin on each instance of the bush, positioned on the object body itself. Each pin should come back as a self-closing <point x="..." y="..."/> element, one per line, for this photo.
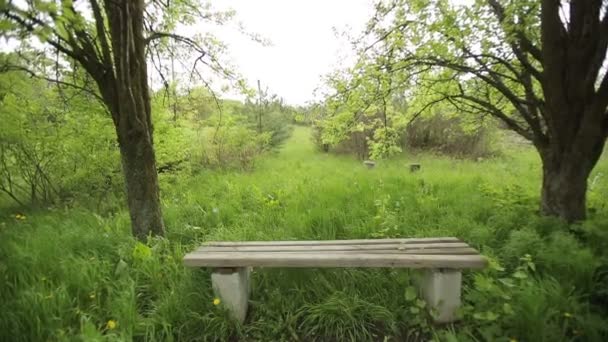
<point x="52" y="150"/>
<point x="232" y="147"/>
<point x="448" y="135"/>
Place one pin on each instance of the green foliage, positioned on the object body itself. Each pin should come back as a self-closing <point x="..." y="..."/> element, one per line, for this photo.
<point x="232" y="146"/>
<point x="67" y="273"/>
<point x="50" y="150"/>
<point x="451" y="135"/>
<point x="227" y="132"/>
<point x="362" y="106"/>
<point x="533" y="308"/>
<point x="347" y="318"/>
<point x="385" y="143"/>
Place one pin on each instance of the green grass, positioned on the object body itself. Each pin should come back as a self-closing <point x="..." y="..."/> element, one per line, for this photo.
<point x="64" y="273"/>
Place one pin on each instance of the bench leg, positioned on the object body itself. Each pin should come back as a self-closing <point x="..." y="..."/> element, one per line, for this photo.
<point x="231" y="285"/>
<point x="441" y="290"/>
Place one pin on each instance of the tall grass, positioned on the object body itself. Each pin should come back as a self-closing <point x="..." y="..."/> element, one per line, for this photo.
<point x="70" y="274"/>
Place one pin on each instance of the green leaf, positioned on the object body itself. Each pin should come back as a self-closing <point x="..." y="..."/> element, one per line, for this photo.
<point x="141" y="252"/>
<point x="410" y="293"/>
<point x="6" y="25"/>
<point x="520" y="275"/>
<point x="491" y="316"/>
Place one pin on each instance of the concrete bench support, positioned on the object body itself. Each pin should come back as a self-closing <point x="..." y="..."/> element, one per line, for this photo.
<point x="441" y="290"/>
<point x="231" y="285"/>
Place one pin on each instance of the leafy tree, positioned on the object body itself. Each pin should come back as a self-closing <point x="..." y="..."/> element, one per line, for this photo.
<point x="366" y="100"/>
<point x="48" y="149"/>
<point x="534" y="65"/>
<point x="110" y="40"/>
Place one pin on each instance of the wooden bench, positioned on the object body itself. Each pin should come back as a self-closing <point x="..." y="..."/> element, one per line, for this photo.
<point x="441" y="258"/>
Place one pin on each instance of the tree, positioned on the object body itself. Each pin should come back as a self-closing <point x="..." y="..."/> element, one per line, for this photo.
<point x="40" y="123"/>
<point x="534" y="65"/>
<point x="366" y="105"/>
<point x="110" y="40"/>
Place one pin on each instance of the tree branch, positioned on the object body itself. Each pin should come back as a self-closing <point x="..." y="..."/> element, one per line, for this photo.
<point x="101" y="32"/>
<point x="525" y="44"/>
<point x="16" y="68"/>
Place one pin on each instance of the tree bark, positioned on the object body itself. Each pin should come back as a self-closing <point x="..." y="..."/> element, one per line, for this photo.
<point x="127" y="96"/>
<point x="566" y="168"/>
<point x="575" y="106"/>
<point x="139" y="168"/>
<point x="563" y="193"/>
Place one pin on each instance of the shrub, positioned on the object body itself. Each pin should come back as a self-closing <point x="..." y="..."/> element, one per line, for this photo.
<point x="449" y="135"/>
<point x="232" y="147"/>
<point x="52" y="149"/>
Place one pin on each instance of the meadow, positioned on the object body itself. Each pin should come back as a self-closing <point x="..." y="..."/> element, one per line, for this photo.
<point x="69" y="273"/>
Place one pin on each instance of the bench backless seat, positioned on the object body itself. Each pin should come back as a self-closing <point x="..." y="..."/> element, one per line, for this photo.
<point x="441" y="258"/>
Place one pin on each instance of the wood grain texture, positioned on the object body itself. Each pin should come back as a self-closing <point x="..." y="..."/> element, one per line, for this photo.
<point x="331" y="242"/>
<point x="444" y="252"/>
<point x="328" y="259"/>
<point x="437" y="251"/>
<point x="315" y="248"/>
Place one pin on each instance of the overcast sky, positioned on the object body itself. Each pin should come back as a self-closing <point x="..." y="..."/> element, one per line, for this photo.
<point x="304" y="46"/>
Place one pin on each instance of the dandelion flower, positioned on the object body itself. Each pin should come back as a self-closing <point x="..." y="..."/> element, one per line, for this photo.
<point x="567" y="315"/>
<point x="216" y="301"/>
<point x="512" y="340"/>
<point x="111" y="325"/>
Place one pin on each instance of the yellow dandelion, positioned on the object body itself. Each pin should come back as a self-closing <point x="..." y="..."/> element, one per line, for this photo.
<point x="216" y="301"/>
<point x="513" y="340"/>
<point x="18" y="216"/>
<point x="567" y="315"/>
<point x="111" y="325"/>
<point x="22" y="217"/>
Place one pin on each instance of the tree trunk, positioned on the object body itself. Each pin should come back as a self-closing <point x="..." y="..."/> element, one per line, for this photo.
<point x="127" y="96"/>
<point x="564" y="191"/>
<point x="566" y="168"/>
<point x="139" y="168"/>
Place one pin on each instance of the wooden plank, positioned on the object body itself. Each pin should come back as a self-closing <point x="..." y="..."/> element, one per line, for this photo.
<point x="316" y="248"/>
<point x="288" y="259"/>
<point x="442" y="251"/>
<point x="451" y="251"/>
<point x="331" y="242"/>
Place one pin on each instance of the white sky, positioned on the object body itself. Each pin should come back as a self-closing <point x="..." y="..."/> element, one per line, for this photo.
<point x="304" y="46"/>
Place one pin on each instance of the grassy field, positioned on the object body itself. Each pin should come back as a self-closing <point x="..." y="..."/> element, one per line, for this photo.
<point x="71" y="274"/>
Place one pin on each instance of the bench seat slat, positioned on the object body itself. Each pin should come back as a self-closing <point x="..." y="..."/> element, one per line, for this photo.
<point x="456" y="250"/>
<point x="329" y="259"/>
<point x="332" y="242"/>
<point x="316" y="248"/>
